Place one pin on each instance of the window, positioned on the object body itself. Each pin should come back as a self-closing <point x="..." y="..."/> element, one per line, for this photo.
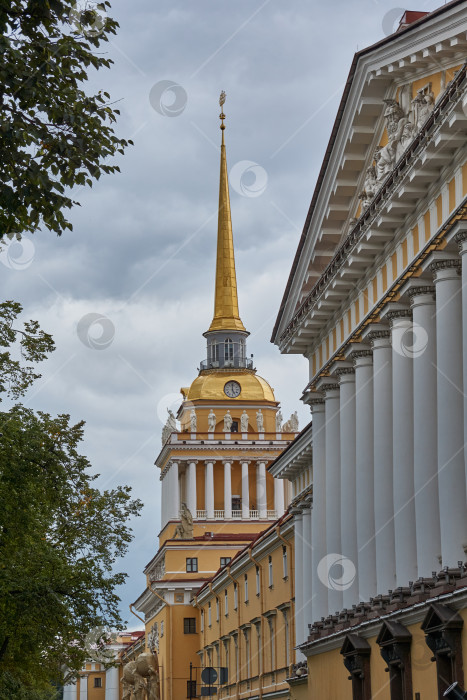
<point x="191" y="564"/>
<point x="225" y="561"/>
<point x="356" y="652"/>
<point x="443" y="635"/>
<point x="235" y="596"/>
<point x="228" y="350"/>
<point x="394" y="641"/>
<point x="271" y="580"/>
<point x="202" y="620"/>
<point x="215" y="352"/>
<point x="234" y="427"/>
<point x="284" y="562"/>
<point x="217" y="609"/>
<point x="97" y="682"/>
<point x="226" y="602"/>
<point x="189" y="625"/>
<point x="162" y="628"/>
<point x="209" y="615"/>
<point x="246" y="588"/>
<point x="258" y="588"/>
<point x="191" y="689"/>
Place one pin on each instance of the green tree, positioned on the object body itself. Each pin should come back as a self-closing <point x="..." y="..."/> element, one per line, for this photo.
<point x="60" y="536"/>
<point x="53" y="135"/>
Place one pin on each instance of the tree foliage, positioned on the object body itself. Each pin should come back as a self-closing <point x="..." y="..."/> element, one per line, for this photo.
<point x="60" y="536"/>
<point x="53" y="135"/>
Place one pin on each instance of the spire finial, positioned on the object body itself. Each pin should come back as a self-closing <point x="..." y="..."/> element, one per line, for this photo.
<point x="222" y="115"/>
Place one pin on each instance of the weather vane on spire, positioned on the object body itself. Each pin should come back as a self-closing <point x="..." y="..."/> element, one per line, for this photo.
<point x="222" y="115"/>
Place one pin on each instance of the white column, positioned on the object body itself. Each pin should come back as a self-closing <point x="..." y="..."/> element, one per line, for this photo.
<point x="382" y="455"/>
<point x="112" y="683"/>
<point x="174" y="507"/>
<point x="70" y="691"/>
<point x="461" y="238"/>
<point x="403" y="346"/>
<point x="348" y="489"/>
<point x="306" y="617"/>
<point x="209" y="490"/>
<point x="427" y="525"/>
<point x="318" y="514"/>
<point x="298" y="549"/>
<point x="245" y="491"/>
<point x="261" y="494"/>
<point x="164" y="498"/>
<point x="279" y="497"/>
<point x="366" y="570"/>
<point x="227" y="490"/>
<point x="83" y="688"/>
<point x="191" y="488"/>
<point x="333" y="495"/>
<point x="451" y="471"/>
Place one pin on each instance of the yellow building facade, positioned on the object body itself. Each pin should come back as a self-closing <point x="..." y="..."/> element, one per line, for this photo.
<point x="377" y="303"/>
<point x="217" y="493"/>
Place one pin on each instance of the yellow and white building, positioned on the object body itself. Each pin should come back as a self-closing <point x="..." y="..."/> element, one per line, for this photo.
<point x="217" y="496"/>
<point x="377" y="302"/>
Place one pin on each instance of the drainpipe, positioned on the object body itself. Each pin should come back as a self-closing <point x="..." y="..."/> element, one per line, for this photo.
<point x="170" y="670"/>
<point x="291" y="570"/>
<point x="261" y="597"/>
<point x="237" y="680"/>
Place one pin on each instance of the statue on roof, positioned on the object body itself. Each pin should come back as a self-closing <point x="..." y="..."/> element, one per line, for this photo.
<point x="211" y="421"/>
<point x="260" y="421"/>
<point x="244" y="420"/>
<point x="184" y="529"/>
<point x="193" y="420"/>
<point x="227" y="422"/>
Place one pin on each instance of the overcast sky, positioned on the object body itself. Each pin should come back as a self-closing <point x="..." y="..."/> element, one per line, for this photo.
<point x="141" y="256"/>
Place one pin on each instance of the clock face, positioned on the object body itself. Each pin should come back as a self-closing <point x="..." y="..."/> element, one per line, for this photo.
<point x="232" y="390"/>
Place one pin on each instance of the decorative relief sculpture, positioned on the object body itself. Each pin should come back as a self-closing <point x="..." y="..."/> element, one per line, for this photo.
<point x="184" y="529"/>
<point x="170" y="427"/>
<point x="259" y="421"/>
<point x="401" y="126"/>
<point x="291" y="426"/>
<point x="211" y="421"/>
<point x="279" y="419"/>
<point x="153" y="638"/>
<point x="244" y="420"/>
<point x="193" y="420"/>
<point x="227" y="422"/>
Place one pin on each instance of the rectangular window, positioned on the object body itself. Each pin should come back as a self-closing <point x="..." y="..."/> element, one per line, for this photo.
<point x="192" y="564"/>
<point x="162" y="628"/>
<point x="226" y="602"/>
<point x="202" y="620"/>
<point x="258" y="588"/>
<point x="191" y="689"/>
<point x="225" y="561"/>
<point x="97" y="682"/>
<point x="217" y="609"/>
<point x="246" y="588"/>
<point x="271" y="580"/>
<point x="189" y="625"/>
<point x="284" y="562"/>
<point x="235" y="596"/>
<point x="209" y="615"/>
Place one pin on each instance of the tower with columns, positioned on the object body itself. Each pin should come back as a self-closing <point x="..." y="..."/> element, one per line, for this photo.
<point x="217" y="494"/>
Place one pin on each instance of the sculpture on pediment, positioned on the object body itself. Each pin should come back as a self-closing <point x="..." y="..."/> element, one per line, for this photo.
<point x="279" y="419"/>
<point x="406" y="138"/>
<point x="153" y="638"/>
<point x="244" y="419"/>
<point x="291" y="426"/>
<point x="193" y="420"/>
<point x="211" y="421"/>
<point x="392" y="115"/>
<point x="369" y="187"/>
<point x="227" y="422"/>
<point x="169" y="427"/>
<point x="422" y="106"/>
<point x="259" y="421"/>
<point x="184" y="529"/>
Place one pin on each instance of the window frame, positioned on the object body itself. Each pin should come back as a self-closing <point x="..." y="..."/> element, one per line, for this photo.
<point x="191" y="566"/>
<point x="270" y="572"/>
<point x="189" y="625"/>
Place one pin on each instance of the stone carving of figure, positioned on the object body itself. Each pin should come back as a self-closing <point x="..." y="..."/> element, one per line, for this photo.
<point x="147" y="667"/>
<point x="211" y="421"/>
<point x="227" y="422"/>
<point x="193" y="420"/>
<point x="184" y="529"/>
<point x="259" y="421"/>
<point x="392" y="115"/>
<point x="369" y="187"/>
<point x="169" y="427"/>
<point x="422" y="106"/>
<point x="405" y="139"/>
<point x="153" y="638"/>
<point x="244" y="418"/>
<point x="128" y="680"/>
<point x="294" y="421"/>
<point x="279" y="421"/>
<point x="153" y="685"/>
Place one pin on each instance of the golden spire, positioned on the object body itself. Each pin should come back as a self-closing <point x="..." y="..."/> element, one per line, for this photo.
<point x="226" y="315"/>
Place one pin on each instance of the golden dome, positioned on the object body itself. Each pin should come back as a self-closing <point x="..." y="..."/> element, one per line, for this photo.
<point x="209" y="386"/>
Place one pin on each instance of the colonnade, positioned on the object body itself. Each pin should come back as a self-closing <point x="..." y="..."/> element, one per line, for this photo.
<point x="389" y="462"/>
<point x="171" y="490"/>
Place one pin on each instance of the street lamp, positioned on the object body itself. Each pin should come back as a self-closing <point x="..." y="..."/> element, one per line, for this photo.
<point x="454" y="692"/>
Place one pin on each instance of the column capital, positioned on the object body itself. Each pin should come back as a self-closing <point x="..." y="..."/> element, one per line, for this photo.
<point x="461" y="240"/>
<point x="327" y="385"/>
<point x="312" y="398"/>
<point x="210" y="461"/>
<point x="397" y="314"/>
<point x="422" y="289"/>
<point x="345" y="374"/>
<point x="227" y="461"/>
<point x="262" y="461"/>
<point x="192" y="461"/>
<point x="245" y="461"/>
<point x="450" y="267"/>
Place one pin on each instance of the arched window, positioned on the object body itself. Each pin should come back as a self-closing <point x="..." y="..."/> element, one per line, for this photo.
<point x="215" y="352"/>
<point x="228" y="349"/>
